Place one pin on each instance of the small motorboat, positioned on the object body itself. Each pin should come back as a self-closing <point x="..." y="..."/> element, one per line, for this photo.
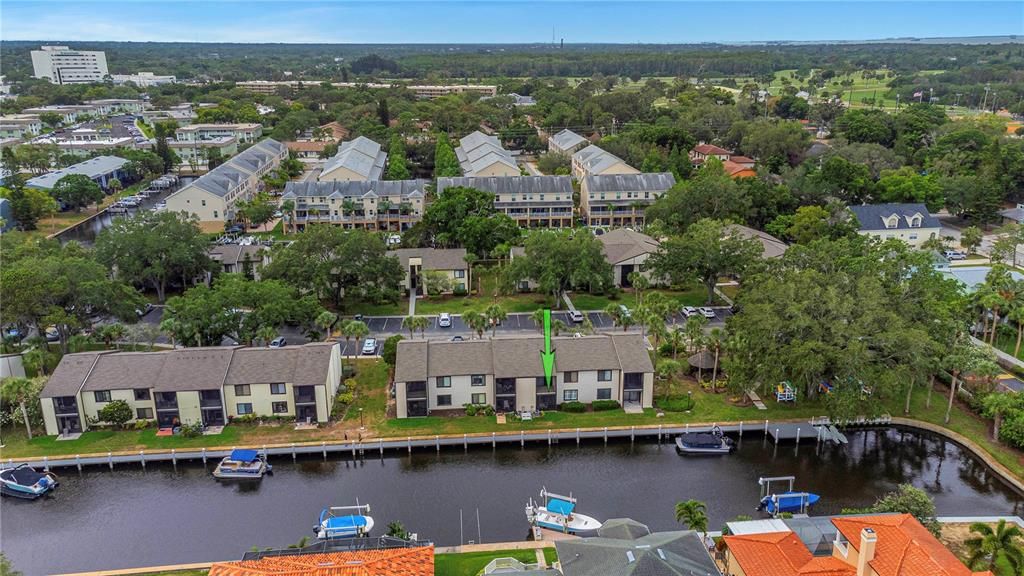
<point x="344" y="522"/>
<point x="713" y="442"/>
<point x="793" y="502"/>
<point x="559" y="513"/>
<point x="24" y="481"/>
<point x="242" y="464"/>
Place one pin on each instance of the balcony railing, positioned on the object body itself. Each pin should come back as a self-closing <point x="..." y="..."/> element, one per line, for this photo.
<point x="210" y="402"/>
<point x="166" y="404"/>
<point x="305" y="395"/>
<point x="415" y="389"/>
<point x="501" y="387"/>
<point x="65" y="405"/>
<point x="633" y="381"/>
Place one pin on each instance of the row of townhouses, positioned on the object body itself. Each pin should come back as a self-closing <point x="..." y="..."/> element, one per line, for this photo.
<point x="361" y="160"/>
<point x="194" y="385"/>
<point x="506" y="373"/>
<point x="481" y="155"/>
<point x="213" y="196"/>
<point x="244" y="133"/>
<point x="364" y="204"/>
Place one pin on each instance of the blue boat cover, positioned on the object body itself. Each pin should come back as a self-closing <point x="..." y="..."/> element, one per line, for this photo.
<point x="244" y="455"/>
<point x="346" y="522"/>
<point x="560" y="506"/>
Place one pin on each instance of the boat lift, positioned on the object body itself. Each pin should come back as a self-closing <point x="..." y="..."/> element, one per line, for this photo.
<point x="766" y="492"/>
<point x="345" y="529"/>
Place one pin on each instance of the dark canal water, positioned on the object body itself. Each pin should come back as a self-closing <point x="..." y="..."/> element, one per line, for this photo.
<point x="100" y="519"/>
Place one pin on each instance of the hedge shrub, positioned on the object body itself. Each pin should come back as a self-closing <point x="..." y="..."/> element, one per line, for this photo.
<point x="573" y="407"/>
<point x="602" y="405"/>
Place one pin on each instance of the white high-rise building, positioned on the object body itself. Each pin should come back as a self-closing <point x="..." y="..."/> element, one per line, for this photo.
<point x="62" y="65"/>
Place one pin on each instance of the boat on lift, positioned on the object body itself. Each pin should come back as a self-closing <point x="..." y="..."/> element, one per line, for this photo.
<point x="791" y="501"/>
<point x="712" y="442"/>
<point x="344" y="522"/>
<point x="559" y="513"/>
<point x="242" y="464"/>
<point x="24" y="481"/>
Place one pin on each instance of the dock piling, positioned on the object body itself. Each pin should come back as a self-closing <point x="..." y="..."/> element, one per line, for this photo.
<point x="577" y="436"/>
<point x="380" y="443"/>
<point x="522" y="439"/>
<point x="204" y="456"/>
<point x="659" y="433"/>
<point x="741" y="428"/>
<point x="766" y="426"/>
<point x="549" y="436"/>
<point x="465" y="443"/>
<point x="408" y="442"/>
<point x="797" y="434"/>
<point x="78" y="461"/>
<point x="294" y="456"/>
<point x="437" y="442"/>
<point x="606" y="435"/>
<point x="110" y="460"/>
<point x="494" y="442"/>
<point x="776" y="436"/>
<point x="142" y="459"/>
<point x="632" y="434"/>
<point x="46" y="464"/>
<point x="323" y="447"/>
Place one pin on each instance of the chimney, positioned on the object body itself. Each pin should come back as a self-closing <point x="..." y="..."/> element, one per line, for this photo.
<point x="866" y="551"/>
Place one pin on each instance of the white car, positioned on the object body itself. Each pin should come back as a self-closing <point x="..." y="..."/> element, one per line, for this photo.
<point x="689" y="311"/>
<point x="370" y="346"/>
<point x="707" y="312"/>
<point x="955" y="255"/>
<point x="394" y="240"/>
<point x="444" y="320"/>
<point x="576" y="316"/>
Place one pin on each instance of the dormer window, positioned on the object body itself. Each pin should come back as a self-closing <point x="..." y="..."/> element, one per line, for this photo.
<point x="892" y="221"/>
<point x="915" y="221"/>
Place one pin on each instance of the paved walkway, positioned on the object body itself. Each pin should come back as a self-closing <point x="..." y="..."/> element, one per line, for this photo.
<point x="1002" y="356"/>
<point x="756" y="400"/>
<point x="146" y="570"/>
<point x="412" y="303"/>
<point x="495" y="547"/>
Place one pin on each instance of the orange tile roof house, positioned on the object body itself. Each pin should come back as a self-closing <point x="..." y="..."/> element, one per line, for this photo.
<point x="416" y="561"/>
<point x="884" y="545"/>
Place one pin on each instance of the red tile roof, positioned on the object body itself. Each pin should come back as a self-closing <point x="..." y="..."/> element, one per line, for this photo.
<point x="905" y="547"/>
<point x="738" y="170"/>
<point x="417" y="561"/>
<point x="710" y="149"/>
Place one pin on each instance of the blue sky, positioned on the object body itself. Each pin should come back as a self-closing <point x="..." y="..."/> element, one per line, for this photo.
<point x="492" y="21"/>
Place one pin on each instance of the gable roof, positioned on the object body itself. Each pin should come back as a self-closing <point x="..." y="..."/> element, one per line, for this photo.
<point x="677" y="553"/>
<point x="511" y="184"/>
<point x="414" y="561"/>
<point x="362" y="156"/>
<point x="567" y="139"/>
<point x="639" y="182"/>
<point x="596" y="160"/>
<point x="477" y="151"/>
<point x="224" y="178"/>
<point x="711" y="150"/>
<point x="517" y="356"/>
<point x="904" y="547"/>
<point x="231" y="254"/>
<point x="432" y="258"/>
<point x="355" y="188"/>
<point x="70" y="374"/>
<point x="873" y="216"/>
<point x="622" y="244"/>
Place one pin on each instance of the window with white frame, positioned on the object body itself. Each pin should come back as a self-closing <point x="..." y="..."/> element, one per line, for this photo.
<point x="571" y="395"/>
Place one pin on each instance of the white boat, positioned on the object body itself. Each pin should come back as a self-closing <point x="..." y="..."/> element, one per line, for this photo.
<point x="243" y="464"/>
<point x="24" y="481"/>
<point x="559" y="513"/>
<point x="344" y="522"/>
<point x="713" y="442"/>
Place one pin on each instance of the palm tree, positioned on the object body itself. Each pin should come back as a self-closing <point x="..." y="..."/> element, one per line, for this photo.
<point x="288" y="207"/>
<point x="675" y="339"/>
<point x="38" y="355"/>
<point x="348" y="207"/>
<point x="19" y="391"/>
<point x="471" y="259"/>
<point x="265" y="334"/>
<point x="383" y="208"/>
<point x="170" y="327"/>
<point x="994" y="547"/>
<point x="557" y="327"/>
<point x="619" y="316"/>
<point x="694" y="329"/>
<point x="995" y="406"/>
<point x="354" y="329"/>
<point x="117" y="332"/>
<point x="694" y="514"/>
<point x="714" y="341"/>
<point x="326" y="321"/>
<point x="476" y="321"/>
<point x="538" y="319"/>
<point x="495" y="315"/>
<point x="640" y="283"/>
<point x="410" y="323"/>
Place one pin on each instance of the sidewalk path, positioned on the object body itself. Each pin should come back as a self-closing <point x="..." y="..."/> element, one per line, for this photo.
<point x="1002" y="356"/>
<point x="412" y="303"/>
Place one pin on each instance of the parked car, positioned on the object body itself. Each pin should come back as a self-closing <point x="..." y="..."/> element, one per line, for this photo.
<point x="689" y="311"/>
<point x="370" y="346"/>
<point x="52" y="335"/>
<point x="15" y="331"/>
<point x="625" y="311"/>
<point x="954" y="255"/>
<point x="278" y="342"/>
<point x="576" y="316"/>
<point x="394" y="240"/>
<point x="707" y="312"/>
<point x="140" y="312"/>
<point x="457" y="338"/>
<point x="577" y="335"/>
<point x="235" y="229"/>
<point x="444" y="320"/>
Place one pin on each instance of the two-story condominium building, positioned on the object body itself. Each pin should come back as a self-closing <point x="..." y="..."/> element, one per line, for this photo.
<point x="436" y="91"/>
<point x="911" y="223"/>
<point x="506" y="373"/>
<point x="566" y="142"/>
<point x="69" y="113"/>
<point x="366" y="204"/>
<point x="109" y="106"/>
<point x="213" y="196"/>
<point x="101" y="170"/>
<point x="243" y="133"/>
<point x="192" y="385"/>
<point x="482" y="155"/>
<point x="20" y="126"/>
<point x="416" y="262"/>
<point x="594" y="161"/>
<point x="620" y="199"/>
<point x="196" y="153"/>
<point x="627" y="251"/>
<point x="143" y="79"/>
<point x="532" y="201"/>
<point x="361" y="159"/>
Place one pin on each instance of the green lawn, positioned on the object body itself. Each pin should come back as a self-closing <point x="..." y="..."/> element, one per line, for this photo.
<point x="471" y="563"/>
<point x="145" y="128"/>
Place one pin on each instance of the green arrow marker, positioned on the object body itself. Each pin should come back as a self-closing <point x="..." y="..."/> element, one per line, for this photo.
<point x="547" y="355"/>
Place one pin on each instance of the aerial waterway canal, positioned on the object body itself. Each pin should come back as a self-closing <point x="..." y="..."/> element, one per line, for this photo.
<point x="128" y="517"/>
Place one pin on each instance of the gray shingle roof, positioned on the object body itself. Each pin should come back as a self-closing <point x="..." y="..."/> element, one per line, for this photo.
<point x="362" y="156"/>
<point x="595" y="159"/>
<point x="231" y="254"/>
<point x="511" y="184"/>
<point x="771" y="247"/>
<point x="356" y="188"/>
<point x="478" y="151"/>
<point x="622" y="244"/>
<point x="93" y="168"/>
<point x="222" y="179"/>
<point x="567" y="139"/>
<point x="433" y="258"/>
<point x="70" y="374"/>
<point x="872" y="216"/>
<point x="642" y="182"/>
<point x="678" y="553"/>
<point x="519" y="357"/>
<point x="191" y="368"/>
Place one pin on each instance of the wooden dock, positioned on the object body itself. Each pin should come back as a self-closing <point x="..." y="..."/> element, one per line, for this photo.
<point x="807" y="432"/>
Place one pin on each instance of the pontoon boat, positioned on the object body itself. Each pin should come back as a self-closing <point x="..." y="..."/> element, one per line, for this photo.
<point x="245" y="464"/>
